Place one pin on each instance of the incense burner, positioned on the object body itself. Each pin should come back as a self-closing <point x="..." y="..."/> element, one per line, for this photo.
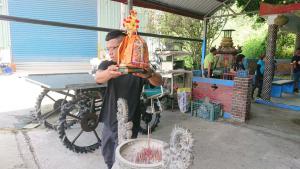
<point x="178" y="154"/>
<point x="125" y="154"/>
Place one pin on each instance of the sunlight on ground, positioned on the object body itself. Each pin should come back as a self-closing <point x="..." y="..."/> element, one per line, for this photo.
<point x="17" y="93"/>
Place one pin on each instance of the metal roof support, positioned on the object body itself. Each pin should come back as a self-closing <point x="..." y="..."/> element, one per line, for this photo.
<point x="229" y="8"/>
<point x="242" y="13"/>
<point x="204" y="41"/>
<point x="246" y="5"/>
<point x="91" y="28"/>
<point x="129" y="5"/>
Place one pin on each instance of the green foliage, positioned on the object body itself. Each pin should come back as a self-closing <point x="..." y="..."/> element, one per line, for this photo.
<point x="254" y="47"/>
<point x="285" y="44"/>
<point x="188" y="61"/>
<point x="175" y="25"/>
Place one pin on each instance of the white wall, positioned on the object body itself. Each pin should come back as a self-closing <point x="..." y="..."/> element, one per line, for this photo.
<point x="5" y="52"/>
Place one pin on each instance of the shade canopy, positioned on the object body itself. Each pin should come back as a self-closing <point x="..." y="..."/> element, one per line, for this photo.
<point x="197" y="9"/>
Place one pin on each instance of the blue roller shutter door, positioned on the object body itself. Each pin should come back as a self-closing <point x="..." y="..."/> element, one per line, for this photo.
<point x="47" y="43"/>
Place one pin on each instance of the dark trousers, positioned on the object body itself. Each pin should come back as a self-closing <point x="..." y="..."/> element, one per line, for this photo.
<point x="110" y="141"/>
<point x="206" y="73"/>
<point x="296" y="78"/>
<point x="258" y="84"/>
<point x="109" y="144"/>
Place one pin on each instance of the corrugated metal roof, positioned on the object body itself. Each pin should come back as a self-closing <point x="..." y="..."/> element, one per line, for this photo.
<point x="191" y="8"/>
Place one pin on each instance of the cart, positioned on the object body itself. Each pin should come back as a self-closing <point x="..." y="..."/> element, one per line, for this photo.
<point x="70" y="103"/>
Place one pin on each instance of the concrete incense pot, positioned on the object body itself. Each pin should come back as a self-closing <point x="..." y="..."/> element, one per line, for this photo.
<point x="178" y="154"/>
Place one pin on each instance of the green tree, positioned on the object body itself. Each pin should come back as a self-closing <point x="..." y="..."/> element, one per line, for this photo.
<point x="285" y="40"/>
<point x="254" y="47"/>
<point x="285" y="44"/>
<point x="175" y="25"/>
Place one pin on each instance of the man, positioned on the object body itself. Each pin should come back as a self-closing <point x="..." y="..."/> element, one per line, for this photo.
<point x="296" y="69"/>
<point x="210" y="62"/>
<point x="259" y="75"/>
<point x="127" y="86"/>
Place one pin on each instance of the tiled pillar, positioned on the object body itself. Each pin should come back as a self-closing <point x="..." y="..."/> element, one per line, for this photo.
<point x="269" y="68"/>
<point x="297" y="44"/>
<point x="241" y="99"/>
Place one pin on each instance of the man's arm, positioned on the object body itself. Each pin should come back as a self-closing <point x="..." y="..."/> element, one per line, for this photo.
<point x="102" y="76"/>
<point x="209" y="69"/>
<point x="154" y="78"/>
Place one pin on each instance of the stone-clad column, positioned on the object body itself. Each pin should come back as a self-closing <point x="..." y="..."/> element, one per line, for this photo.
<point x="297" y="42"/>
<point x="269" y="68"/>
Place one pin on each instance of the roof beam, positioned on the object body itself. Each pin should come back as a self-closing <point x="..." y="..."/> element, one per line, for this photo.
<point x="164" y="7"/>
<point x="84" y="27"/>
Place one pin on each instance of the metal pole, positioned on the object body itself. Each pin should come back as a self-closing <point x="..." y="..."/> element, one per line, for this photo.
<point x="204" y="40"/>
<point x="129" y="5"/>
<point x="123" y="14"/>
<point x="242" y="13"/>
<point x="91" y="28"/>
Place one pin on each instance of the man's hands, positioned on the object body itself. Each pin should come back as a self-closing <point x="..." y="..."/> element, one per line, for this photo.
<point x="147" y="74"/>
<point x="102" y="76"/>
<point x="113" y="72"/>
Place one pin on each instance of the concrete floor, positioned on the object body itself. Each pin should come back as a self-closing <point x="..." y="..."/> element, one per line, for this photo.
<point x="270" y="140"/>
<point x="289" y="99"/>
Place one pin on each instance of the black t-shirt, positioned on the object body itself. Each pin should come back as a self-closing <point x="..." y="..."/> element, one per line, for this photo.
<point x="126" y="86"/>
<point x="297" y="59"/>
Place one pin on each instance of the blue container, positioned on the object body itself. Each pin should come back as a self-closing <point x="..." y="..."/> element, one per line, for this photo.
<point x="242" y="73"/>
<point x="7" y="70"/>
<point x="276" y="90"/>
<point x="197" y="73"/>
<point x="288" y="88"/>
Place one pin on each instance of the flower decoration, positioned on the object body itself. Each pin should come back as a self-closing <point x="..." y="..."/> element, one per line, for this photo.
<point x="131" y="23"/>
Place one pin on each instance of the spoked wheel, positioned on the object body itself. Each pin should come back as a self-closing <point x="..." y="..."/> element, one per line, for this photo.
<point x="84" y="136"/>
<point x="48" y="107"/>
<point x="149" y="119"/>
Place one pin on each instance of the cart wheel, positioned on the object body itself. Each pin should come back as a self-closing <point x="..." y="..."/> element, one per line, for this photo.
<point x="84" y="136"/>
<point x="149" y="119"/>
<point x="48" y="107"/>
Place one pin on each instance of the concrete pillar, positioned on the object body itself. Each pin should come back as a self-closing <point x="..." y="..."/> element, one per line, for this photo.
<point x="269" y="68"/>
<point x="129" y="6"/>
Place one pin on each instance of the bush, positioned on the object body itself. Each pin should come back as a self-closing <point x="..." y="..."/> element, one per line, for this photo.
<point x="188" y="61"/>
<point x="254" y="47"/>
